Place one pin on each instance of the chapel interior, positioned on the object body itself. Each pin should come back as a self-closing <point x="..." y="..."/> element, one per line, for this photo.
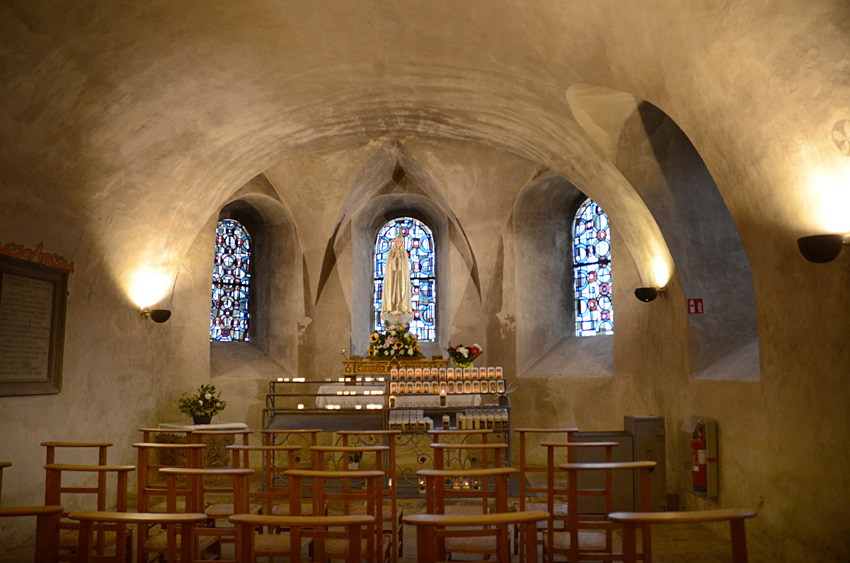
<point x="714" y="135"/>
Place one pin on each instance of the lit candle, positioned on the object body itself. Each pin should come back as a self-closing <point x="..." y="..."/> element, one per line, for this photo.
<point x="358" y="407"/>
<point x="280" y="379"/>
<point x="300" y="406"/>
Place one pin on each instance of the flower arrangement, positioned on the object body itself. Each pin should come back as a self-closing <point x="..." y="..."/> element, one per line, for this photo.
<point x="463" y="356"/>
<point x="205" y="402"/>
<point x="394" y="343"/>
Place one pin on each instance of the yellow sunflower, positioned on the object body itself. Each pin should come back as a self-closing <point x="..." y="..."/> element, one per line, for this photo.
<point x="374" y="337"/>
<point x="398" y="344"/>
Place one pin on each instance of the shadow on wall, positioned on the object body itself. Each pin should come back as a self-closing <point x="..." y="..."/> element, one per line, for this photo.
<point x="666" y="170"/>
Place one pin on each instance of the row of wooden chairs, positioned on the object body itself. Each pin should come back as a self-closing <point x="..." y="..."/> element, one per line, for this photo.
<point x="567" y="532"/>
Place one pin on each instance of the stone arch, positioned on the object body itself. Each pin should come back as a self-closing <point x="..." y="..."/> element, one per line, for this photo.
<point x="546" y="343"/>
<point x="666" y="170"/>
<point x="276" y="283"/>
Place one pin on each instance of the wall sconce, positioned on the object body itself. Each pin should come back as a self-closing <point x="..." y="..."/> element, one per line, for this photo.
<point x="821" y="248"/>
<point x="157" y="315"/>
<point x="647" y="294"/>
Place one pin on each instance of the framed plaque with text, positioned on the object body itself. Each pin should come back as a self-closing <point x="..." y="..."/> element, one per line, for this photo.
<point x="33" y="298"/>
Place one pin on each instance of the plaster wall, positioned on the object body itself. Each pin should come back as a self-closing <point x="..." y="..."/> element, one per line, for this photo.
<point x="131" y="126"/>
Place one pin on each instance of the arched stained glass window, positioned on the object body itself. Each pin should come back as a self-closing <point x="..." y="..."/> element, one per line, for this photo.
<point x="592" y="271"/>
<point x="419" y="243"/>
<point x="230" y="283"/>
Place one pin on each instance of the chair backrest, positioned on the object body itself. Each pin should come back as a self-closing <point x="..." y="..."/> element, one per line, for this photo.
<point x="527" y="468"/>
<point x="432" y="530"/>
<point x="468" y="456"/>
<point x="486" y="485"/>
<point x="554" y="492"/>
<point x="324" y="491"/>
<point x="89" y="519"/>
<point x="338" y="458"/>
<point x="100" y="447"/>
<point x="633" y="520"/>
<point x="275" y="486"/>
<point x="197" y="499"/>
<point x="47" y="519"/>
<point x="382" y="438"/>
<point x="3" y="465"/>
<point x="55" y="493"/>
<point x="317" y="528"/>
<point x="577" y="522"/>
<point x="152" y="457"/>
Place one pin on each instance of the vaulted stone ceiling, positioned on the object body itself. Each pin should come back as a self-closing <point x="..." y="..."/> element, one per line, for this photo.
<point x="150" y="114"/>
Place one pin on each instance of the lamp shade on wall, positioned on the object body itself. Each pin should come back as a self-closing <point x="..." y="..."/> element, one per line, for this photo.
<point x="647" y="294"/>
<point x="821" y="248"/>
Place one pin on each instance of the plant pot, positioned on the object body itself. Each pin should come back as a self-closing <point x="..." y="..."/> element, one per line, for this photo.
<point x="462" y="364"/>
<point x="201" y="419"/>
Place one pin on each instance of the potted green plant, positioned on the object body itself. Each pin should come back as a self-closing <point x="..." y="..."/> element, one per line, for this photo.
<point x="354" y="459"/>
<point x="203" y="404"/>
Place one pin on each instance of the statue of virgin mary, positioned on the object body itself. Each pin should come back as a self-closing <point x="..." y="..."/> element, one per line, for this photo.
<point x="396" y="308"/>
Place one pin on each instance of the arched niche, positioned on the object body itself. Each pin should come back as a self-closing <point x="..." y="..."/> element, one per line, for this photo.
<point x="276" y="297"/>
<point x="543" y="218"/>
<point x="364" y="229"/>
<point x="665" y="169"/>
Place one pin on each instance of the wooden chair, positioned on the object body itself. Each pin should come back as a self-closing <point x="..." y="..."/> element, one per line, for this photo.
<point x="554" y="537"/>
<point x="273" y="495"/>
<point x="588" y="535"/>
<point x="490" y="486"/>
<point x="302" y="529"/>
<point x="152" y="457"/>
<point x="468" y="456"/>
<point x="530" y="492"/>
<point x="101" y="448"/>
<point x="54" y="490"/>
<point x="434" y="531"/>
<point x="631" y="521"/>
<point x="375" y="544"/>
<point x="47" y="519"/>
<point x="339" y="458"/>
<point x="527" y="469"/>
<point x="213" y="492"/>
<point x="393" y="514"/>
<point x="274" y="487"/>
<point x="208" y="538"/>
<point x="176" y="544"/>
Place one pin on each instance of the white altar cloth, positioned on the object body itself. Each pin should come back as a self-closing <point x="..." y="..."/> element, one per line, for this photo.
<point x="165" y="426"/>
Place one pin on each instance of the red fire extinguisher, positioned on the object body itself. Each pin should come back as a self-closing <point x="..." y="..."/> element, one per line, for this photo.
<point x="698" y="460"/>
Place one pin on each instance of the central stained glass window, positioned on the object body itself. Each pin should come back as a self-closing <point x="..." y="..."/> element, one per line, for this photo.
<point x="592" y="271"/>
<point x="231" y="283"/>
<point x="419" y="243"/>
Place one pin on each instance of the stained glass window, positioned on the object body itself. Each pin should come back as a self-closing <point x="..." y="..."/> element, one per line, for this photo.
<point x="230" y="284"/>
<point x="592" y="271"/>
<point x="419" y="243"/>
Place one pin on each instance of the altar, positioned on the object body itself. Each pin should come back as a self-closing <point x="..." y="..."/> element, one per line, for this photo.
<point x="215" y="454"/>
